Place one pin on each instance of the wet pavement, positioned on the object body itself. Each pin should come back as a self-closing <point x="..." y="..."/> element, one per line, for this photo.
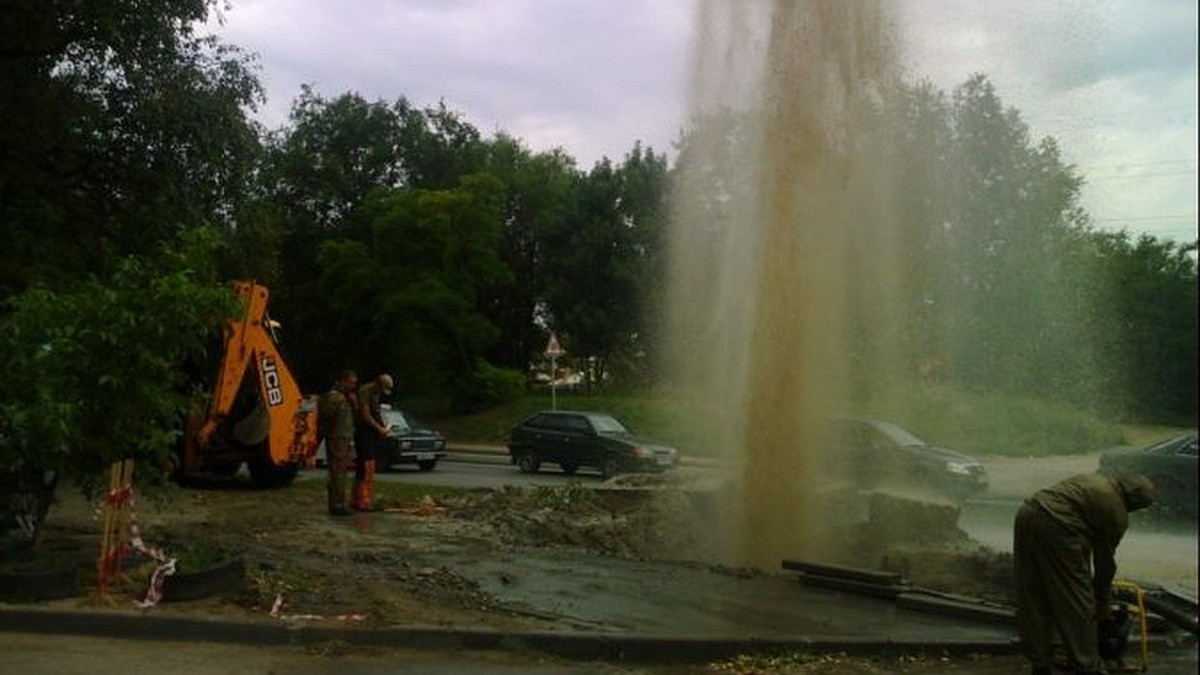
<point x="614" y="594"/>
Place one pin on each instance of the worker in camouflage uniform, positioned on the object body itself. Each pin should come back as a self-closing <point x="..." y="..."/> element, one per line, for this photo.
<point x="1064" y="546"/>
<point x="335" y="416"/>
<point x="369" y="432"/>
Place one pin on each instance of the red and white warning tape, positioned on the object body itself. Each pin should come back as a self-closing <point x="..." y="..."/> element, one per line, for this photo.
<point x="277" y="613"/>
<point x="164" y="569"/>
<point x="112" y="561"/>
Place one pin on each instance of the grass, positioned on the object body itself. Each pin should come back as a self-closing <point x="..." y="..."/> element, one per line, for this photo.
<point x="973" y="422"/>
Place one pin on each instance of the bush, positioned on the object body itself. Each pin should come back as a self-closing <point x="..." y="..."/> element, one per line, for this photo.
<point x="488" y="386"/>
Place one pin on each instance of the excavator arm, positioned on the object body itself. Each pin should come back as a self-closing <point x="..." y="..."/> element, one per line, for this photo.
<point x="282" y="431"/>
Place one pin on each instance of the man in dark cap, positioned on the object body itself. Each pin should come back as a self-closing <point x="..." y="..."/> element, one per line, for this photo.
<point x="1064" y="546"/>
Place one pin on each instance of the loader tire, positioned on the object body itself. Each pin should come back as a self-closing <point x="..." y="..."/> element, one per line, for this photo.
<point x="264" y="474"/>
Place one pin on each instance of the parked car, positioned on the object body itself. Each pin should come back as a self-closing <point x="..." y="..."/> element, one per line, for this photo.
<point x="878" y="454"/>
<point x="1170" y="463"/>
<point x="574" y="439"/>
<point x="408" y="442"/>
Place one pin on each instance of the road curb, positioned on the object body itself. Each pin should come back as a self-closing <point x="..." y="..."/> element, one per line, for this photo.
<point x="496" y="453"/>
<point x="633" y="647"/>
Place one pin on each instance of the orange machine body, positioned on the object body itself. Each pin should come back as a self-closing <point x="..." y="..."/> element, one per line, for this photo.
<point x="287" y="420"/>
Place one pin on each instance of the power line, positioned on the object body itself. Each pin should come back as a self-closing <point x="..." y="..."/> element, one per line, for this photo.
<point x="1167" y="174"/>
<point x="1094" y="115"/>
<point x="1135" y="165"/>
<point x="1184" y="216"/>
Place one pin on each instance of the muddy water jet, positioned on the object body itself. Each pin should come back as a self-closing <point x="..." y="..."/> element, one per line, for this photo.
<point x="781" y="248"/>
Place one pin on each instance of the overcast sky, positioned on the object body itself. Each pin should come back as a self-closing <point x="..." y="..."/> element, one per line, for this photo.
<point x="1113" y="80"/>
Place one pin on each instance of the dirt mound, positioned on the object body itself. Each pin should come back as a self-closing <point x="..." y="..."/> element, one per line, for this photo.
<point x="645" y="524"/>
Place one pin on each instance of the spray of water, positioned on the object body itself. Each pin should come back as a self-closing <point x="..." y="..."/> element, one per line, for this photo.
<point x="783" y="273"/>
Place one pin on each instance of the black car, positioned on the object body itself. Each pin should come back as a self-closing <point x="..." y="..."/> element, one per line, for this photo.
<point x="877" y="454"/>
<point x="408" y="442"/>
<point x="1170" y="463"/>
<point x="574" y="439"/>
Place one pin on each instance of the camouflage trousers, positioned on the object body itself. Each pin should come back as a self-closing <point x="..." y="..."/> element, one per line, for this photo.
<point x="338" y="457"/>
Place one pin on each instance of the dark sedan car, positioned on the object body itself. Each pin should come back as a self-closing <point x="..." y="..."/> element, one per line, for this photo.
<point x="878" y="454"/>
<point x="409" y="442"/>
<point x="1170" y="463"/>
<point x="574" y="439"/>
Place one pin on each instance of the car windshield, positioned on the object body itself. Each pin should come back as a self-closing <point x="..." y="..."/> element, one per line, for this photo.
<point x="396" y="420"/>
<point x="607" y="424"/>
<point x="897" y="435"/>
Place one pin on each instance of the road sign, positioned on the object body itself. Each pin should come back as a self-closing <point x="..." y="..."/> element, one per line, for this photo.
<point x="553" y="350"/>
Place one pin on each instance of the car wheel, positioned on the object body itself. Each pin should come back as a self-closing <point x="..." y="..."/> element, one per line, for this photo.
<point x="427" y="464"/>
<point x="528" y="462"/>
<point x="611" y="467"/>
<point x="569" y="468"/>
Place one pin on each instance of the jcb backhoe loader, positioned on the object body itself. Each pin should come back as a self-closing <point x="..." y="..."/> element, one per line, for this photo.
<point x="257" y="414"/>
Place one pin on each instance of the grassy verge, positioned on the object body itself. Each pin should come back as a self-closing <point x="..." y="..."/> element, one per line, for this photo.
<point x="975" y="423"/>
<point x="998" y="424"/>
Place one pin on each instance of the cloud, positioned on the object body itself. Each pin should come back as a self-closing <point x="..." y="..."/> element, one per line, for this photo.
<point x="1114" y="80"/>
<point x="590" y="77"/>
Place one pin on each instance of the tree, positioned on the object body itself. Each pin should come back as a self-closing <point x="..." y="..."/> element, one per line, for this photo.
<point x="539" y="195"/>
<point x="96" y="373"/>
<point x="123" y="127"/>
<point x="601" y="264"/>
<point x="1148" y="333"/>
<point x="321" y="170"/>
<point x="409" y="296"/>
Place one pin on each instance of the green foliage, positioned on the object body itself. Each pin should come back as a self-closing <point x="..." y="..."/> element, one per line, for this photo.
<point x="609" y="259"/>
<point x="490" y="386"/>
<point x="123" y="127"/>
<point x="410" y="296"/>
<point x="97" y="373"/>
<point x="572" y="496"/>
<point x="1150" y="336"/>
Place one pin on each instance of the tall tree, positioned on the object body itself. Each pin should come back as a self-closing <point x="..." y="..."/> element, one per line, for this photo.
<point x="1148" y="326"/>
<point x="410" y="294"/>
<point x="123" y="126"/>
<point x="539" y="196"/>
<point x="601" y="265"/>
<point x="321" y="170"/>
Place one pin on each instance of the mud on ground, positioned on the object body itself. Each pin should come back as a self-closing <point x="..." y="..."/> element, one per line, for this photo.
<point x="414" y="563"/>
